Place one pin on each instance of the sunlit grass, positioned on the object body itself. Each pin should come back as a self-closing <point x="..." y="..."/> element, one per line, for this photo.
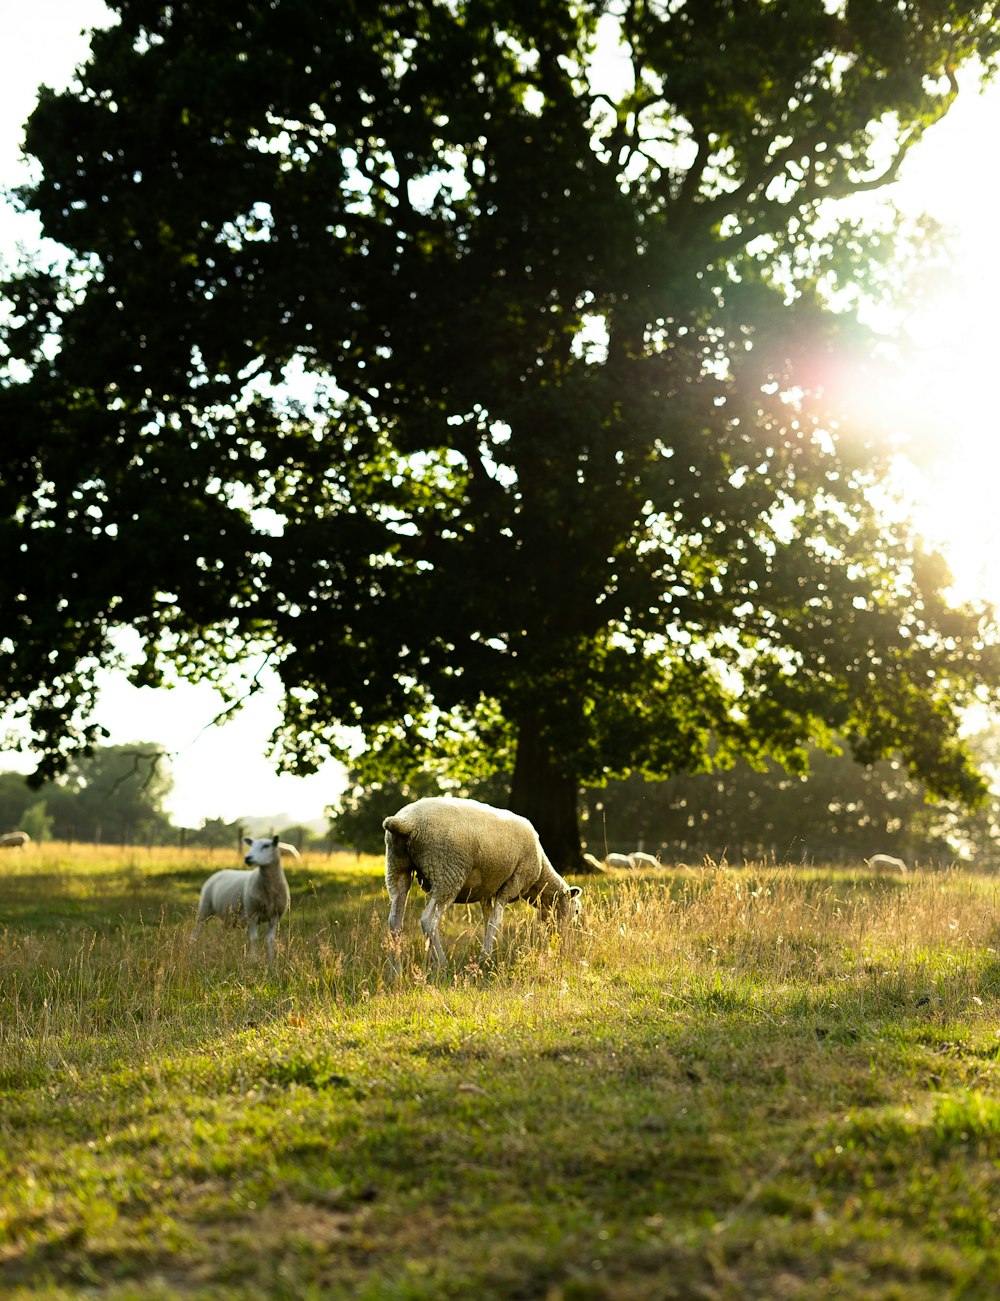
<point x="751" y="1082"/>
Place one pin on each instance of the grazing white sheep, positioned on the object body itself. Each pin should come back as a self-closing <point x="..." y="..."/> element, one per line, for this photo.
<point x="595" y="863"/>
<point x="249" y="898"/>
<point x="617" y="860"/>
<point x="639" y="859"/>
<point x="886" y="863"/>
<point x="14" y="840"/>
<point x="462" y="851"/>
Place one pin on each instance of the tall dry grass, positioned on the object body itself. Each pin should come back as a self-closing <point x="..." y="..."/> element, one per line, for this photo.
<point x="782" y="929"/>
<point x="118" y="974"/>
<point x="715" y="1065"/>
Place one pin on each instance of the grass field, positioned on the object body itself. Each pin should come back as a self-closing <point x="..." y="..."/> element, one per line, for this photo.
<point x="725" y="1083"/>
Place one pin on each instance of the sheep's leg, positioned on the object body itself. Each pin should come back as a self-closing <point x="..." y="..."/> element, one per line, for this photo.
<point x="252" y="935"/>
<point x="492" y="918"/>
<point x="429" y="921"/>
<point x="505" y="895"/>
<point x="398" y="885"/>
<point x="272" y="930"/>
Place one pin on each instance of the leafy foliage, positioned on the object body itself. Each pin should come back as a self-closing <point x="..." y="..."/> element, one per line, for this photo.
<point x="115" y="794"/>
<point x="360" y="810"/>
<point x="398" y="344"/>
<point x="839" y="811"/>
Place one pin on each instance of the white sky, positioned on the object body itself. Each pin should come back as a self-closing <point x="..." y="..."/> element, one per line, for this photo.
<point x="222" y="771"/>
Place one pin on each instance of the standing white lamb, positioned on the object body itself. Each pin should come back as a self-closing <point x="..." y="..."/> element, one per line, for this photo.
<point x="463" y="851"/>
<point x="249" y="898"/>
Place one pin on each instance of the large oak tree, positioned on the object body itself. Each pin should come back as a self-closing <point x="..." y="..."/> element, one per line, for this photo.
<point x="495" y="395"/>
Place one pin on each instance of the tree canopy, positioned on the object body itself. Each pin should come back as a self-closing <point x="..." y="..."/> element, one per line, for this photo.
<point x="494" y="390"/>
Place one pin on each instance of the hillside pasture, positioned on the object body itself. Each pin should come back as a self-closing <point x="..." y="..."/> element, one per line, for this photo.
<point x="750" y="1082"/>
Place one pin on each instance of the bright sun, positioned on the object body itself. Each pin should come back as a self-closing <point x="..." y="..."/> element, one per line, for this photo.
<point x="948" y="390"/>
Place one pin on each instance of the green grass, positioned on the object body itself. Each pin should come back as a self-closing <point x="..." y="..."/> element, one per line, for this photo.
<point x="752" y="1083"/>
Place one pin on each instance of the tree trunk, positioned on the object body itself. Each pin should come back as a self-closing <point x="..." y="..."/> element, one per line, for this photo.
<point x="542" y="792"/>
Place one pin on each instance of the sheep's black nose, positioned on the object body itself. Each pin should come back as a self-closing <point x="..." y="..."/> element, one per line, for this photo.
<point x="247" y="861"/>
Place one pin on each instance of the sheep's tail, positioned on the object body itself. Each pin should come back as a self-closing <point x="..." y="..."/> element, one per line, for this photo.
<point x="397" y="848"/>
<point x="288" y="849"/>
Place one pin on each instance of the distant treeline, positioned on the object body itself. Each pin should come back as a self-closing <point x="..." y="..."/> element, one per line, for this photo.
<point x="839" y="811"/>
<point x="116" y="796"/>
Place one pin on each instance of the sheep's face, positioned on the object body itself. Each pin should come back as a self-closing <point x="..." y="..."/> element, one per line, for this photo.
<point x="262" y="852"/>
<point x="565" y="907"/>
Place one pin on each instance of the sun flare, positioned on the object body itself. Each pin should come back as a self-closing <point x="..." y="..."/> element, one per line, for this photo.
<point x="945" y="397"/>
<point x="947" y="402"/>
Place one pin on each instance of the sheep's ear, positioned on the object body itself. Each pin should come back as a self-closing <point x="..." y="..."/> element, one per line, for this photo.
<point x="274" y="841"/>
<point x="247" y="840"/>
<point x="575" y="891"/>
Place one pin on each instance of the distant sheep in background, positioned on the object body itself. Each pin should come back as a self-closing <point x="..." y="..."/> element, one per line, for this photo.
<point x="14" y="840"/>
<point x="886" y="863"/>
<point x="636" y="859"/>
<point x="462" y="851"/>
<point x="249" y="898"/>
